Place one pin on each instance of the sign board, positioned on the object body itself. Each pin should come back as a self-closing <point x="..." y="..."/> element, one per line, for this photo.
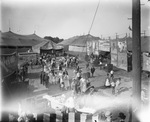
<point x="122" y="61"/>
<point x="113" y="47"/>
<point x="26" y="57"/>
<point x="122" y="54"/>
<point x="146" y="62"/>
<point x="122" y="47"/>
<point x="119" y="53"/>
<point x="89" y="47"/>
<point x="114" y="59"/>
<point x="95" y="47"/>
<point x="104" y="46"/>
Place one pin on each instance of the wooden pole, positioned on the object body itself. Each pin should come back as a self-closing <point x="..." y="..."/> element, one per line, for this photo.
<point x="17" y="62"/>
<point x="136" y="51"/>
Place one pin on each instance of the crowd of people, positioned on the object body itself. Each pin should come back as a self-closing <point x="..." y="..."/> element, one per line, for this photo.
<point x="111" y="82"/>
<point x="55" y="71"/>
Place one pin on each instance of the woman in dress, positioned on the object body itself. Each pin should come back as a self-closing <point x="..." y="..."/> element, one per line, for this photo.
<point x="50" y="77"/>
<point x="66" y="81"/>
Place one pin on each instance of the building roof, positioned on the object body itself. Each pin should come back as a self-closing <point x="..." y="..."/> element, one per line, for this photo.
<point x="78" y="40"/>
<point x="12" y="39"/>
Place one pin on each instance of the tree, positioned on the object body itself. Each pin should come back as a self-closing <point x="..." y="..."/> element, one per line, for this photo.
<point x="54" y="39"/>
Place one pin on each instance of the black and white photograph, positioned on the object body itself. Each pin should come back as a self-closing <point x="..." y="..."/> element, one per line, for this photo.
<point x="75" y="61"/>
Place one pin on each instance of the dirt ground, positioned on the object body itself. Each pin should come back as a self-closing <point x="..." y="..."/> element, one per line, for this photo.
<point x="125" y="89"/>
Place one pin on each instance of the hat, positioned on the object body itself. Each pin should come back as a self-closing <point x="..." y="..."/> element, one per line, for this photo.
<point x="108" y="113"/>
<point x="121" y="115"/>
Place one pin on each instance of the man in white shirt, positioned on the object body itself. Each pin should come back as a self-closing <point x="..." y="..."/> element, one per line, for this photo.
<point x="112" y="74"/>
<point x="107" y="82"/>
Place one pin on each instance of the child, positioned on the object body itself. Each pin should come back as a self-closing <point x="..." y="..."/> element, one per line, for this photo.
<point x="107" y="83"/>
<point x="100" y="64"/>
<point x="62" y="85"/>
<point x="92" y="70"/>
<point x="112" y="74"/>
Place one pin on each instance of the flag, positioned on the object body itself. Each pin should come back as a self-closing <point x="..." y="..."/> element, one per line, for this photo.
<point x="130" y="28"/>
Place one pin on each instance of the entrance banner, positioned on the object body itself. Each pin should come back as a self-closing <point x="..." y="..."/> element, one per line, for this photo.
<point x="8" y="63"/>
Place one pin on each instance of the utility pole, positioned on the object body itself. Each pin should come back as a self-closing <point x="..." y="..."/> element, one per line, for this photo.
<point x="116" y="35"/>
<point x="136" y="60"/>
<point x="9" y="25"/>
<point x="117" y="47"/>
<point x="17" y="61"/>
<point x="144" y="33"/>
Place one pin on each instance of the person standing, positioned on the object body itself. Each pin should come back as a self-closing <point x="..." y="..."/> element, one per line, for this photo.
<point x="52" y="71"/>
<point x="87" y="65"/>
<point x="47" y="81"/>
<point x="107" y="82"/>
<point x="112" y="74"/>
<point x="44" y="78"/>
<point x="66" y="81"/>
<point x="78" y="75"/>
<point x="78" y="68"/>
<point x="113" y="85"/>
<point x="83" y="85"/>
<point x="77" y="86"/>
<point x="117" y="83"/>
<point x="41" y="77"/>
<point x="73" y="85"/>
<point x="122" y="117"/>
<point x="50" y="78"/>
<point x="100" y="64"/>
<point x="65" y="72"/>
<point x="60" y="67"/>
<point x="92" y="70"/>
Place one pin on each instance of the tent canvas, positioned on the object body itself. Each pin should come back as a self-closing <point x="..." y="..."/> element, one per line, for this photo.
<point x="12" y="39"/>
<point x="80" y="44"/>
<point x="8" y="63"/>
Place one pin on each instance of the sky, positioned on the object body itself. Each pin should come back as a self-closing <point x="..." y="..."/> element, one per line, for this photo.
<point x="68" y="18"/>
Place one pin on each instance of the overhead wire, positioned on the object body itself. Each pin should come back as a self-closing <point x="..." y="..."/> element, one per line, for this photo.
<point x="91" y="25"/>
<point x="94" y="17"/>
